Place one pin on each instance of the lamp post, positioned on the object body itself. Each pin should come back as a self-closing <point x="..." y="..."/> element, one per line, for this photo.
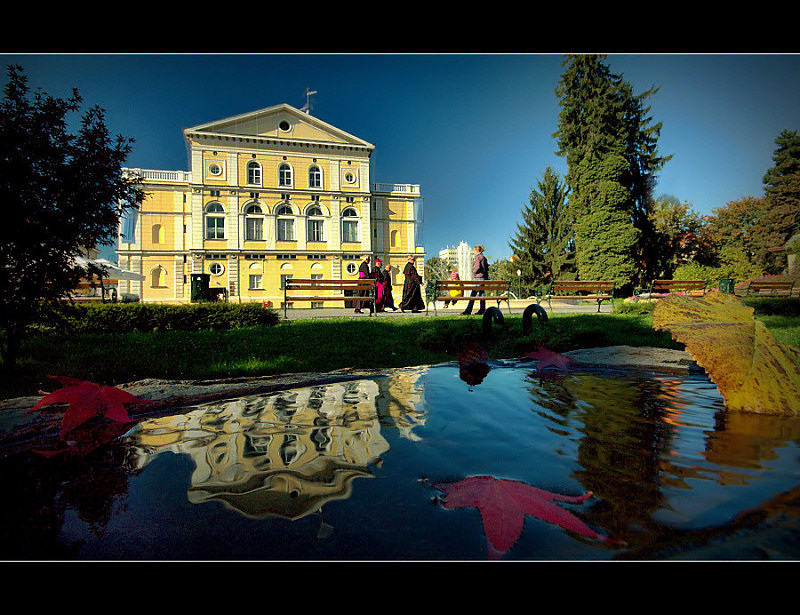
<point x="519" y="284"/>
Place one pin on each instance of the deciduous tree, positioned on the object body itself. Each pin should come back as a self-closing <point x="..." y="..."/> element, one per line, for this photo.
<point x="59" y="192"/>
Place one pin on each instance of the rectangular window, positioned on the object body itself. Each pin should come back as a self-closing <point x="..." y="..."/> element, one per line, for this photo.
<point x="349" y="230"/>
<point x="215" y="228"/>
<point x="315" y="230"/>
<point x="254" y="229"/>
<point x="255" y="282"/>
<point x="285" y="230"/>
<point x="283" y="280"/>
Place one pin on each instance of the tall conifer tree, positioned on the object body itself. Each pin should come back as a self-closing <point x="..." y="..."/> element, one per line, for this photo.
<point x="543" y="241"/>
<point x="782" y="188"/>
<point x="601" y="121"/>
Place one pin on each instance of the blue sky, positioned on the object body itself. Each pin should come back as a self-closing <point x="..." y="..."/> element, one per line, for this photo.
<point x="474" y="130"/>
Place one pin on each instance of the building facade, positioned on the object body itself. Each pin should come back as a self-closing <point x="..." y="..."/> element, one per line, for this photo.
<point x="270" y="194"/>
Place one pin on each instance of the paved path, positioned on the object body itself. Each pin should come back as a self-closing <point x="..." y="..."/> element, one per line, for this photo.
<point x="517" y="307"/>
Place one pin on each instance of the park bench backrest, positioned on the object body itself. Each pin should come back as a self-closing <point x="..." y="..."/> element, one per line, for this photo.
<point x="573" y="286"/>
<point x="662" y="286"/>
<point x="772" y="286"/>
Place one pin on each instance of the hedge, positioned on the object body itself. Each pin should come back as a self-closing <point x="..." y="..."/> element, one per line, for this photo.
<point x="145" y="317"/>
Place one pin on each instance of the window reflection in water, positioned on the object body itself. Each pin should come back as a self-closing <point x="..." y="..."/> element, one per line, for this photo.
<point x="285" y="453"/>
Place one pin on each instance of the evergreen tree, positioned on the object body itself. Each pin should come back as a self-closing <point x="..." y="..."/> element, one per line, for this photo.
<point x="782" y="189"/>
<point x="600" y="121"/>
<point x="543" y="246"/>
<point x="605" y="239"/>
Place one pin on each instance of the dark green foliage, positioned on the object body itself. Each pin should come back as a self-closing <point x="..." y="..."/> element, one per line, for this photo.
<point x="774" y="306"/>
<point x="543" y="245"/>
<point x="60" y="194"/>
<point x="601" y="122"/>
<point x="146" y="317"/>
<point x="782" y="188"/>
<point x="605" y="239"/>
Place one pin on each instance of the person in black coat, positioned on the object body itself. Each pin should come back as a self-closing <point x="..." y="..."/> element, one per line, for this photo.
<point x="364" y="273"/>
<point x="412" y="289"/>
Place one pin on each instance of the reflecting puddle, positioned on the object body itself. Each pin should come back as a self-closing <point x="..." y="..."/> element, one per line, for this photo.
<point x="283" y="454"/>
<point x="424" y="464"/>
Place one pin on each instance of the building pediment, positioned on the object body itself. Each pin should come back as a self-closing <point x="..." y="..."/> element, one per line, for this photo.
<point x="280" y="122"/>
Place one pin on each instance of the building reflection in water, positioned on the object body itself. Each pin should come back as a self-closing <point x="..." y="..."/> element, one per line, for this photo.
<point x="287" y="453"/>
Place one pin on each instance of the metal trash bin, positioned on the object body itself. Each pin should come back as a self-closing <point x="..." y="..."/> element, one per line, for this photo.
<point x="199" y="289"/>
<point x="726" y="285"/>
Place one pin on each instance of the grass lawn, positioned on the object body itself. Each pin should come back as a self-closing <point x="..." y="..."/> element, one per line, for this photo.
<point x="322" y="345"/>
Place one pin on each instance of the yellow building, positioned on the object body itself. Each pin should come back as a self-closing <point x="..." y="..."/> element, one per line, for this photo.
<point x="270" y="194"/>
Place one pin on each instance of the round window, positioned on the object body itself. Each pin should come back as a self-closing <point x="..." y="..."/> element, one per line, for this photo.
<point x="349" y="177"/>
<point x="351" y="268"/>
<point x="216" y="268"/>
<point x="284" y="125"/>
<point x="215" y="168"/>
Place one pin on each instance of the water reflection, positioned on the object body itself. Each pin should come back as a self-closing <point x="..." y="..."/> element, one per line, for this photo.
<point x="287" y="453"/>
<point x="654" y="448"/>
<point x="669" y="468"/>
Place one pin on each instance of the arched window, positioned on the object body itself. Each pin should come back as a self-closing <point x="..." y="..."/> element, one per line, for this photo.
<point x="157" y="275"/>
<point x="285" y="223"/>
<point x="314" y="177"/>
<point x="253" y="173"/>
<point x="158" y="233"/>
<point x="393" y="239"/>
<point x="315" y="224"/>
<point x="215" y="221"/>
<point x="253" y="223"/>
<point x="350" y="225"/>
<point x="285" y="176"/>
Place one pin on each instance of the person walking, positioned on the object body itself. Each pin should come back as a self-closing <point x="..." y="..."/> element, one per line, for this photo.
<point x="388" y="298"/>
<point x="377" y="275"/>
<point x="412" y="293"/>
<point x="363" y="274"/>
<point x="480" y="271"/>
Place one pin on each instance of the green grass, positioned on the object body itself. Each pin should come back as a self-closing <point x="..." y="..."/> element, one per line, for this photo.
<point x="322" y="345"/>
<point x="304" y="346"/>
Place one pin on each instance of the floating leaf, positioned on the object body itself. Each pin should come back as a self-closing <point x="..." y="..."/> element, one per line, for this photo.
<point x="548" y="358"/>
<point x="86" y="401"/>
<point x="503" y="505"/>
<point x="752" y="370"/>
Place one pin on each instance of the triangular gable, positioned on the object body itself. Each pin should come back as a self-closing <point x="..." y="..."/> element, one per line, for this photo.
<point x="266" y="123"/>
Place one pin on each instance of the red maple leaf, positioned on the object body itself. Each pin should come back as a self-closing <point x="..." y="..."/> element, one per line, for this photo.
<point x="547" y="358"/>
<point x="503" y="505"/>
<point x="86" y="401"/>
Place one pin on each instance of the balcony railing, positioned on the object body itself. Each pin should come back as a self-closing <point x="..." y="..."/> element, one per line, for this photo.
<point x="166" y="176"/>
<point x="410" y="188"/>
<point x="186" y="176"/>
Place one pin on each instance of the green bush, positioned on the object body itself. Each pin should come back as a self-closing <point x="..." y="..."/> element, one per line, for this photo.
<point x="633" y="307"/>
<point x="146" y="317"/>
<point x="774" y="306"/>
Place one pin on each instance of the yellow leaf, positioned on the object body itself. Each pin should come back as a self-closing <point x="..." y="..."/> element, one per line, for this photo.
<point x="752" y="370"/>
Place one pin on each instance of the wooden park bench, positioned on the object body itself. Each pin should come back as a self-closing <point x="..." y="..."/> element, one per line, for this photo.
<point x="494" y="290"/>
<point x="329" y="290"/>
<point x="596" y="290"/>
<point x="769" y="288"/>
<point x="665" y="287"/>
